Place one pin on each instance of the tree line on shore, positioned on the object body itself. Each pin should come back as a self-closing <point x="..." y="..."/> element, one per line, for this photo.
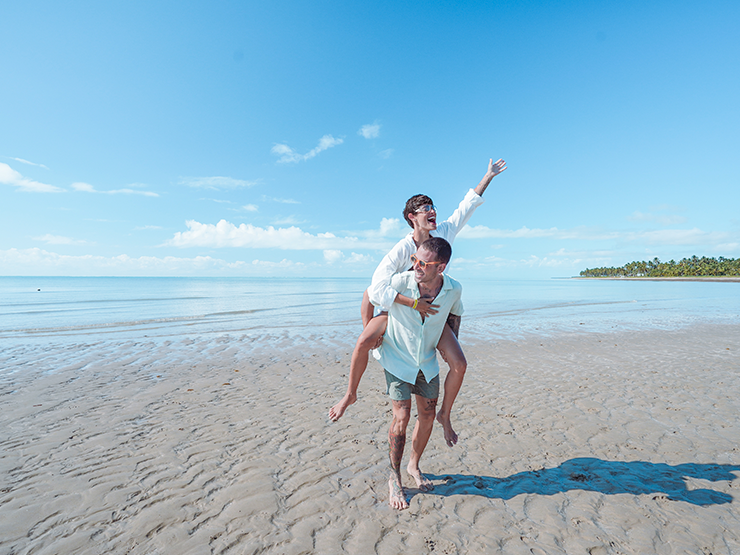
<point x="687" y="267"/>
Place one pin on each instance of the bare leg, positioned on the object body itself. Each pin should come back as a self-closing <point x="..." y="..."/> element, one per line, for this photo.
<point x="452" y="353"/>
<point x="419" y="439"/>
<point x="396" y="444"/>
<point x="366" y="309"/>
<point x="365" y="343"/>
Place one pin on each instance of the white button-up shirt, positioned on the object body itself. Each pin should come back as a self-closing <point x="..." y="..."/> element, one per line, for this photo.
<point x="410" y="345"/>
<point x="399" y="257"/>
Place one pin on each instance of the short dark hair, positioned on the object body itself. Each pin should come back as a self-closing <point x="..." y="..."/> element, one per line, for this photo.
<point x="413" y="204"/>
<point x="441" y="249"/>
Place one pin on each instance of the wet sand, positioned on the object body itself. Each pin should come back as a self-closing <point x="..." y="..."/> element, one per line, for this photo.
<point x="626" y="442"/>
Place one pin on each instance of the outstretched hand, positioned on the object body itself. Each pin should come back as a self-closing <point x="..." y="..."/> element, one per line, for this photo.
<point x="495" y="168"/>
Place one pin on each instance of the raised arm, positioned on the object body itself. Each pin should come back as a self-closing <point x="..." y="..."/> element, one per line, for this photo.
<point x="494" y="168"/>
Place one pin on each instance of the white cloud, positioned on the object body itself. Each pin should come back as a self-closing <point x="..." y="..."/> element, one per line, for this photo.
<point x="355" y="258"/>
<point x="87" y="188"/>
<point x="676" y="237"/>
<point x="537" y="262"/>
<point x="390" y="226"/>
<point x="84" y="187"/>
<point x="250" y="207"/>
<point x="37" y="261"/>
<point x="662" y="219"/>
<point x="654" y="237"/>
<point x="142" y="227"/>
<point x="483" y="232"/>
<point x="22" y="161"/>
<point x="582" y="254"/>
<point x="59" y="240"/>
<point x="130" y="192"/>
<point x="280" y="200"/>
<point x="9" y="176"/>
<point x="386" y="153"/>
<point x="289" y="220"/>
<point x="283" y="264"/>
<point x="370" y="131"/>
<point x="217" y="182"/>
<point x="332" y="256"/>
<point x="40" y="262"/>
<point x="288" y="155"/>
<point x="729" y="247"/>
<point x="226" y="234"/>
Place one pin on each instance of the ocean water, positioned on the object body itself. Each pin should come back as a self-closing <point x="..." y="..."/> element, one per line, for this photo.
<point x="76" y="309"/>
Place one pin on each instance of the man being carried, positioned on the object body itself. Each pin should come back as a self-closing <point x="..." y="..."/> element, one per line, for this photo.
<point x="408" y="354"/>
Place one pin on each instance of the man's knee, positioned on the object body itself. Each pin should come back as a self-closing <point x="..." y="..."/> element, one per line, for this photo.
<point x="401" y="414"/>
<point x="427" y="409"/>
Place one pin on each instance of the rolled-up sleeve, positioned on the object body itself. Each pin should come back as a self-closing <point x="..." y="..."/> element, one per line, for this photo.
<point x="452" y="225"/>
<point x="380" y="292"/>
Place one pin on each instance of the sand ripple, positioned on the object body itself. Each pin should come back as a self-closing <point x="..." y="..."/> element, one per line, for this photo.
<point x="591" y="443"/>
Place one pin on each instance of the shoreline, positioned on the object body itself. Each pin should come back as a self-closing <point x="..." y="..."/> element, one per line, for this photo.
<point x="693" y="278"/>
<point x="569" y="443"/>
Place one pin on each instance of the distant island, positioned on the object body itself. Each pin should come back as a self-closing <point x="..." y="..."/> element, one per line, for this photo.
<point x="693" y="267"/>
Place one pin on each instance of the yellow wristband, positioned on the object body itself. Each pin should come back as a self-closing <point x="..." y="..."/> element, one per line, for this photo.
<point x="416" y="302"/>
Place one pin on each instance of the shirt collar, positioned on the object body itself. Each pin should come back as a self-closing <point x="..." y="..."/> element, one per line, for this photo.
<point x="446" y="284"/>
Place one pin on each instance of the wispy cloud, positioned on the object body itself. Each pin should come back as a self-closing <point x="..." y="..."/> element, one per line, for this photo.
<point x="387" y="153"/>
<point x="226" y="234"/>
<point x="370" y="131"/>
<point x="334" y="256"/>
<point x="87" y="188"/>
<point x="217" y="182"/>
<point x="280" y="200"/>
<point x="22" y="161"/>
<point x="288" y="155"/>
<point x="483" y="232"/>
<point x="43" y="262"/>
<point x="662" y="219"/>
<point x="284" y="264"/>
<point x="60" y="240"/>
<point x="288" y="220"/>
<point x="670" y="237"/>
<point x="143" y="227"/>
<point x="8" y="176"/>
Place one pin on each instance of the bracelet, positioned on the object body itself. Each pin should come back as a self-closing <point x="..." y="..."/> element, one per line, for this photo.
<point x="416" y="303"/>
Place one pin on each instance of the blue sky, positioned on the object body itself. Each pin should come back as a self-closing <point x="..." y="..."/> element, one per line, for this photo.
<point x="283" y="138"/>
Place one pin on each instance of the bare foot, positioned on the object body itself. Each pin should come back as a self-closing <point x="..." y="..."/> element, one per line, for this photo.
<point x="450" y="435"/>
<point x="396" y="496"/>
<point x="422" y="482"/>
<point x="336" y="412"/>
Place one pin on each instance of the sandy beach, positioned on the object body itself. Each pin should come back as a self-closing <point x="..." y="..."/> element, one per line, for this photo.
<point x="594" y="443"/>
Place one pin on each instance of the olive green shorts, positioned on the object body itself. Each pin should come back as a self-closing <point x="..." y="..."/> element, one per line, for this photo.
<point x="399" y="390"/>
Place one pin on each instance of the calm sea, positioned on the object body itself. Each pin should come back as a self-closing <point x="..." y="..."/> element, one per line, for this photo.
<point x="74" y="309"/>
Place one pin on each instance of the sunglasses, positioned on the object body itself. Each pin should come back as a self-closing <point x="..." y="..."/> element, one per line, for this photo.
<point x="422" y="263"/>
<point x="427" y="208"/>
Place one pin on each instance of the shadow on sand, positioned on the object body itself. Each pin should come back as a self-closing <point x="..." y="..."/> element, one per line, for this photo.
<point x="589" y="474"/>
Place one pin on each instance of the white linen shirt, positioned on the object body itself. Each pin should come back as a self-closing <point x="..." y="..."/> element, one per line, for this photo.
<point x="410" y="345"/>
<point x="380" y="292"/>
